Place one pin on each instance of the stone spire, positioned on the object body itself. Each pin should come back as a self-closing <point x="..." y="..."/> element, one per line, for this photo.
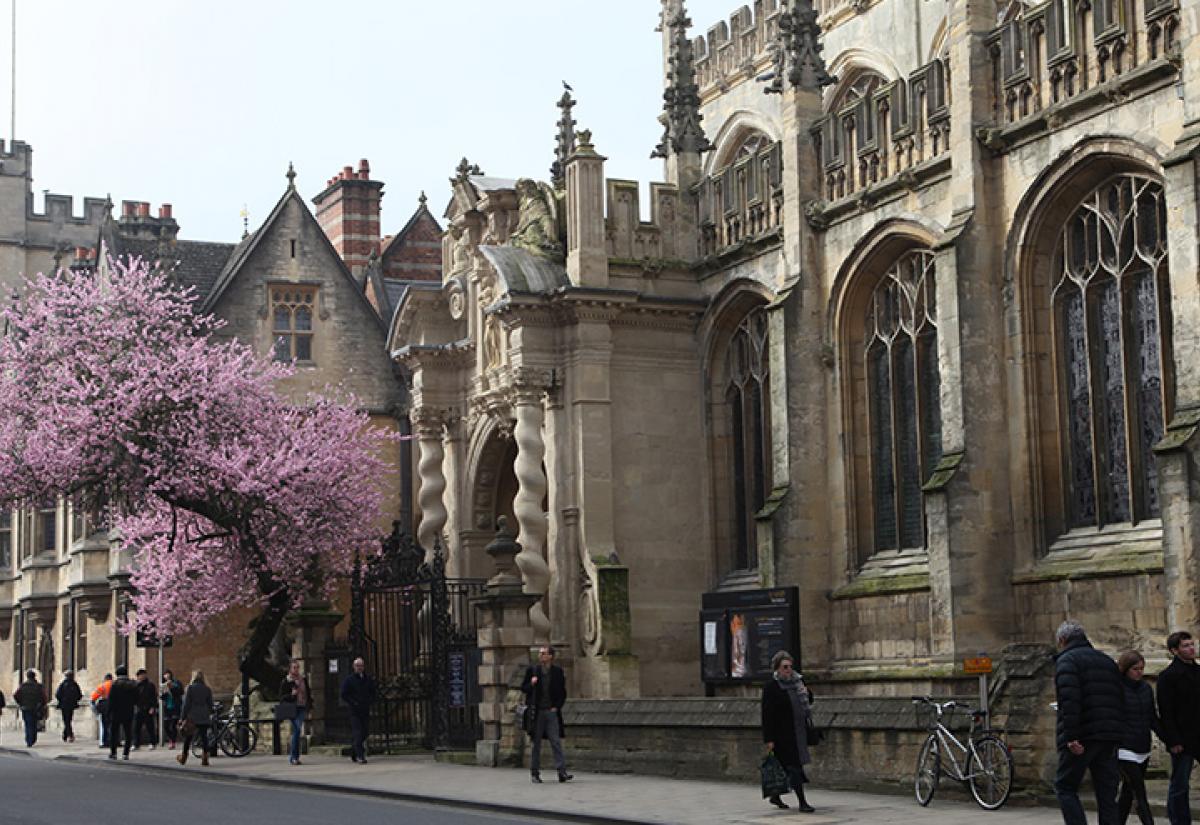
<point x="564" y="140"/>
<point x="798" y="51"/>
<point x="681" y="99"/>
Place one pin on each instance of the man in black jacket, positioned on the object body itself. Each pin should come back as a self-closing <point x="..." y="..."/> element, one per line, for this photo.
<point x="1179" y="710"/>
<point x="358" y="694"/>
<point x="31" y="699"/>
<point x="1091" y="706"/>
<point x="68" y="697"/>
<point x="122" y="702"/>
<point x="145" y="720"/>
<point x="545" y="689"/>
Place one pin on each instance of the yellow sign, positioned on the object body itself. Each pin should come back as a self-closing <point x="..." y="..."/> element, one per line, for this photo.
<point x="978" y="666"/>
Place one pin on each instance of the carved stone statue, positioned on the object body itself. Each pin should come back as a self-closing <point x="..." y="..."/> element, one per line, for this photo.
<point x="537" y="228"/>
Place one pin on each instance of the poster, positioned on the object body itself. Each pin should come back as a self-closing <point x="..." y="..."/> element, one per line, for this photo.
<point x="738" y="644"/>
<point x="710" y="638"/>
<point x="740" y="631"/>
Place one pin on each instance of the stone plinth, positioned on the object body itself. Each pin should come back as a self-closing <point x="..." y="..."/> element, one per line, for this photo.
<point x="505" y="636"/>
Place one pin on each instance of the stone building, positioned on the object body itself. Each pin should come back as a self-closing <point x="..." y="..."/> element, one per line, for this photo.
<point x="288" y="287"/>
<point x="912" y="325"/>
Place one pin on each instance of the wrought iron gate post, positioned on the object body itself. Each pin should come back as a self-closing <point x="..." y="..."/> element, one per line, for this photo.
<point x="441" y="630"/>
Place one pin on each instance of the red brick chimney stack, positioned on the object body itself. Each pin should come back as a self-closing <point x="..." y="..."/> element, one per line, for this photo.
<point x="348" y="210"/>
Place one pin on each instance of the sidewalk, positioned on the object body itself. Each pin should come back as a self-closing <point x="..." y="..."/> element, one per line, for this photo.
<point x="590" y="797"/>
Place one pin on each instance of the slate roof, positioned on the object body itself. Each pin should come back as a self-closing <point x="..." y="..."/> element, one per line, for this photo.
<point x="192" y="263"/>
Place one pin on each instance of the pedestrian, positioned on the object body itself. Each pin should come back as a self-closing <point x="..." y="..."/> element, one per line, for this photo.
<point x="122" y="707"/>
<point x="100" y="707"/>
<point x="2" y="705"/>
<point x="545" y="689"/>
<point x="172" y="703"/>
<point x="1134" y="754"/>
<point x="68" y="697"/>
<point x="31" y="699"/>
<point x="1091" y="724"/>
<point x="1179" y="714"/>
<point x="145" y="718"/>
<point x="786" y="716"/>
<point x="358" y="692"/>
<point x="294" y="693"/>
<point x="195" y="717"/>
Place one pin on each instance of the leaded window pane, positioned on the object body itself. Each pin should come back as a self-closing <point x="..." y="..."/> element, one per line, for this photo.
<point x="912" y="530"/>
<point x="303" y="347"/>
<point x="746" y="394"/>
<point x="1112" y="259"/>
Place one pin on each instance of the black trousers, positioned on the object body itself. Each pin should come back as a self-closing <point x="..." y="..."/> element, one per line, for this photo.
<point x="1133" y="789"/>
<point x="117" y="728"/>
<point x="358" y="735"/>
<point x="146" y="723"/>
<point x="68" y="732"/>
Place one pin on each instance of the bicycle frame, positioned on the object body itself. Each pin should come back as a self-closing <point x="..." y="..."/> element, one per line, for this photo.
<point x="945" y="738"/>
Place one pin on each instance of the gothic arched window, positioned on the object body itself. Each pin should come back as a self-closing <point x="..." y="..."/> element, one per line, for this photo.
<point x="746" y="396"/>
<point x="1110" y="305"/>
<point x="902" y="384"/>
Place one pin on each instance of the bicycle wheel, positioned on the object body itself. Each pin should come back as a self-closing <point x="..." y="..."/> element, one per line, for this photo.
<point x="991" y="771"/>
<point x="238" y="740"/>
<point x="198" y="743"/>
<point x="929" y="768"/>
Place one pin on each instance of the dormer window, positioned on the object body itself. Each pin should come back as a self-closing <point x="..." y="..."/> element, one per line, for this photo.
<point x="292" y="321"/>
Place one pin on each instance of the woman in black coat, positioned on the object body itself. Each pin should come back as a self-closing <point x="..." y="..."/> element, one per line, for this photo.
<point x="1134" y="753"/>
<point x="785" y="716"/>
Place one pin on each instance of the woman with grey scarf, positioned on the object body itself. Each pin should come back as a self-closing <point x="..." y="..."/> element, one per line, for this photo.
<point x="786" y="709"/>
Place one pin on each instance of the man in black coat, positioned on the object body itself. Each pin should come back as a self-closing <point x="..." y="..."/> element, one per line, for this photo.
<point x="1179" y="711"/>
<point x="1091" y="706"/>
<point x="122" y="704"/>
<point x="145" y="718"/>
<point x="545" y="689"/>
<point x="68" y="697"/>
<point x="31" y="699"/>
<point x="358" y="694"/>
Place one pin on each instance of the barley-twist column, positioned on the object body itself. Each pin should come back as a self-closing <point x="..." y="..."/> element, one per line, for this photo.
<point x="429" y="425"/>
<point x="531" y="519"/>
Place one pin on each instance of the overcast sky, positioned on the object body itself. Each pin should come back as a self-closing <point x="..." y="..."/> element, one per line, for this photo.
<point x="202" y="104"/>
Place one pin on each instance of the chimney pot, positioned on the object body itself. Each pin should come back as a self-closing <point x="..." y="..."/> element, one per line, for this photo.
<point x="364" y="169"/>
<point x="127" y="209"/>
<point x="347" y="171"/>
<point x="164" y="211"/>
<point x="143" y="210"/>
<point x="81" y="253"/>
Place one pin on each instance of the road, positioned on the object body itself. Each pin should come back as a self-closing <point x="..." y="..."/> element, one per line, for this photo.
<point x="47" y="792"/>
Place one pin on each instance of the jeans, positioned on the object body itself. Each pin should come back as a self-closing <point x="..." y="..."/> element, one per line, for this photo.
<point x="547" y="726"/>
<point x="68" y="732"/>
<point x="1179" y="810"/>
<point x="117" y="727"/>
<point x="297" y="727"/>
<point x="1100" y="758"/>
<point x="171" y="728"/>
<point x="358" y="736"/>
<point x="1133" y="789"/>
<point x="30" y="717"/>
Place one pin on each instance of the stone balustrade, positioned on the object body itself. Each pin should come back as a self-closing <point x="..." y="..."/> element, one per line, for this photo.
<point x="743" y="202"/>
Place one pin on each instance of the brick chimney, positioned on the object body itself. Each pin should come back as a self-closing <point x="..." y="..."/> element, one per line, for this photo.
<point x="137" y="222"/>
<point x="348" y="211"/>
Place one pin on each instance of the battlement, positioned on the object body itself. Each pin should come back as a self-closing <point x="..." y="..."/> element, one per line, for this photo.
<point x="16" y="160"/>
<point x="630" y="238"/>
<point x="60" y="209"/>
<point x="737" y="49"/>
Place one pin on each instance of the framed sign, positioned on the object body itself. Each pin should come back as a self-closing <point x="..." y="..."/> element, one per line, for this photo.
<point x="740" y="631"/>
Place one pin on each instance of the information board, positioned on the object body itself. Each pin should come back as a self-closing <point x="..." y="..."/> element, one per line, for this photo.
<point x="458" y="679"/>
<point x="740" y="631"/>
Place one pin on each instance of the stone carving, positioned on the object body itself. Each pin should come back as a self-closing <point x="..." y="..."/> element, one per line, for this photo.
<point x="460" y="255"/>
<point x="797" y="54"/>
<point x="681" y="99"/>
<point x="527" y="506"/>
<point x="456" y="298"/>
<point x="537" y="228"/>
<point x="429" y="427"/>
<point x="564" y="141"/>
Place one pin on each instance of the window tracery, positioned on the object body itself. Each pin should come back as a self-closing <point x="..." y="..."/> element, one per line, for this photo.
<point x="746" y="397"/>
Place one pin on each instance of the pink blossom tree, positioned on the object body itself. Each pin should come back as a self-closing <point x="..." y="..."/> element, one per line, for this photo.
<point x="227" y="493"/>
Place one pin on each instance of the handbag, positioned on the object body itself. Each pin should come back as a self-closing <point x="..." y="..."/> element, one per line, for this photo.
<point x="774" y="777"/>
<point x="187" y="728"/>
<point x="525" y="716"/>
<point x="286" y="711"/>
<point x="812" y="734"/>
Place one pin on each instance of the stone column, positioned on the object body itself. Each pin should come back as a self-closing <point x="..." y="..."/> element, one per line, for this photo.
<point x="505" y="636"/>
<point x="531" y="518"/>
<point x="313" y="625"/>
<point x="429" y="427"/>
<point x="587" y="248"/>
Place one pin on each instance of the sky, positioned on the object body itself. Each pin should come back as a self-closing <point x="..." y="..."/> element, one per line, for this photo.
<point x="203" y="104"/>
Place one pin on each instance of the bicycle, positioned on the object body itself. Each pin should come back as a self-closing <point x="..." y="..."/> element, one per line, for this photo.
<point x="985" y="756"/>
<point x="235" y="736"/>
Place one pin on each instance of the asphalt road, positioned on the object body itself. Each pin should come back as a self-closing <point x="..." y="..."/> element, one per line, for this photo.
<point x="47" y="792"/>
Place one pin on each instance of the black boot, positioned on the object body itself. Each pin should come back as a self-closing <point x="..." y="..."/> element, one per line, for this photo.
<point x="777" y="802"/>
<point x="804" y="806"/>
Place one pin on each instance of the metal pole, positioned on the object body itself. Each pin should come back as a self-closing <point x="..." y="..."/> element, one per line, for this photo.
<point x="983" y="699"/>
<point x="161" y="728"/>
<point x="14" y="75"/>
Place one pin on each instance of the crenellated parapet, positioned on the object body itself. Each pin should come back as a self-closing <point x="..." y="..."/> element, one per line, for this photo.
<point x="629" y="238"/>
<point x="737" y="49"/>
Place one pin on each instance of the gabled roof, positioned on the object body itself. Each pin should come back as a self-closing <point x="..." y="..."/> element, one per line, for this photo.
<point x="397" y="240"/>
<point x="246" y="248"/>
<point x="191" y="263"/>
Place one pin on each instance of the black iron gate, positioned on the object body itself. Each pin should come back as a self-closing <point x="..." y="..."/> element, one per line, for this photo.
<point x="416" y="630"/>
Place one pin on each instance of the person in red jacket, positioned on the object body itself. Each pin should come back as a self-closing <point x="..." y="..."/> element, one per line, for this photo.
<point x="100" y="706"/>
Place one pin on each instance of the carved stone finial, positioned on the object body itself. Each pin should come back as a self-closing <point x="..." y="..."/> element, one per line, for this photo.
<point x="585" y="138"/>
<point x="564" y="140"/>
<point x="504" y="549"/>
<point x="681" y="99"/>
<point x="421" y="199"/>
<point x="466" y="169"/>
<point x="291" y="176"/>
<point x="797" y="52"/>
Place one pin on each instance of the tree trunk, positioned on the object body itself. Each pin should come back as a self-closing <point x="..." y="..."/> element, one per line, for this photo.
<point x="254" y="655"/>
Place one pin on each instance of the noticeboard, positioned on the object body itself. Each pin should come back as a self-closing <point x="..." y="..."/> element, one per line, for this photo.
<point x="740" y="631"/>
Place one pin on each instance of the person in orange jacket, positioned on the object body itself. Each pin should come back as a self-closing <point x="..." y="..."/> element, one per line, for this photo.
<point x="100" y="706"/>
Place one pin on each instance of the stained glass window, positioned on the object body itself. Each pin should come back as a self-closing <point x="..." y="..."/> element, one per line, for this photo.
<point x="746" y="394"/>
<point x="903" y="390"/>
<point x="1109" y="299"/>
